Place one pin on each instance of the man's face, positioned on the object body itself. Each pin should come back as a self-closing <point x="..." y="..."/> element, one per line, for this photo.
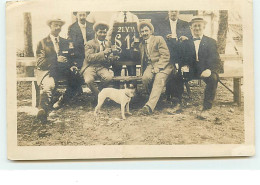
<point x="145" y="32"/>
<point x="81" y="16"/>
<point x="101" y="34"/>
<point x="197" y="28"/>
<point x="55" y="28"/>
<point x="173" y="15"/>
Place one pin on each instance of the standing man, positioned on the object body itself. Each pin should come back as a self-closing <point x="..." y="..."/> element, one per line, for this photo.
<point x="54" y="63"/>
<point x="174" y="31"/>
<point x="122" y="17"/>
<point x="200" y="58"/>
<point x="78" y="34"/>
<point x="98" y="58"/>
<point x="155" y="62"/>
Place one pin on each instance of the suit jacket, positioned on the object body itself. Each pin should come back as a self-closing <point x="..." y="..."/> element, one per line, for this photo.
<point x="207" y="54"/>
<point x="95" y="57"/>
<point x="158" y="54"/>
<point x="75" y="35"/>
<point x="163" y="28"/>
<point x="47" y="58"/>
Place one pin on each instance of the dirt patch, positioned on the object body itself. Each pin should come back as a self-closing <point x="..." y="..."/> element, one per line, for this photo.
<point x="75" y="124"/>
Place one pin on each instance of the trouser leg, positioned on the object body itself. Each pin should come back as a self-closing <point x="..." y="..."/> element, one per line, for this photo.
<point x="106" y="77"/>
<point x="147" y="79"/>
<point x="210" y="90"/>
<point x="158" y="85"/>
<point x="47" y="88"/>
<point x="89" y="77"/>
<point x="117" y="72"/>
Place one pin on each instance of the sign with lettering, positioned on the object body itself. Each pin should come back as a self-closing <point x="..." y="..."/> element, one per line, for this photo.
<point x="123" y="35"/>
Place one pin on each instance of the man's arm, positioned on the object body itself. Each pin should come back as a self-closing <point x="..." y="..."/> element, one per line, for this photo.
<point x="164" y="52"/>
<point x="42" y="61"/>
<point x="92" y="56"/>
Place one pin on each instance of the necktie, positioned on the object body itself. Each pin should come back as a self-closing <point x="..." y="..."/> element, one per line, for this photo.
<point x="125" y="18"/>
<point x="57" y="46"/>
<point x="196" y="38"/>
<point x="103" y="45"/>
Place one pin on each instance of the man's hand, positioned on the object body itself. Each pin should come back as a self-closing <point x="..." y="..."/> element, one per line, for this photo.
<point x="206" y="73"/>
<point x="107" y="51"/>
<point x="156" y="70"/>
<point x="168" y="36"/>
<point x="74" y="69"/>
<point x="62" y="59"/>
<point x="183" y="38"/>
<point x="185" y="69"/>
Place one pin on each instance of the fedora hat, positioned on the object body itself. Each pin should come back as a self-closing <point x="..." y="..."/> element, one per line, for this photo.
<point x="55" y="20"/>
<point x="100" y="23"/>
<point x="147" y="24"/>
<point x="197" y="19"/>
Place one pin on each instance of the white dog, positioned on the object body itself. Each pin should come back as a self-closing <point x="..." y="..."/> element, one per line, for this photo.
<point x="120" y="96"/>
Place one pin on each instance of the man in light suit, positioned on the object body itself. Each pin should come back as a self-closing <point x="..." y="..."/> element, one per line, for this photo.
<point x="200" y="59"/>
<point x="155" y="64"/>
<point x="98" y="58"/>
<point x="54" y="63"/>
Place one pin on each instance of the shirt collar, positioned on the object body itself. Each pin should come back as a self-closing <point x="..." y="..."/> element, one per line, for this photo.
<point x="197" y="37"/>
<point x="173" y="21"/>
<point x="82" y="25"/>
<point x="100" y="42"/>
<point x="53" y="38"/>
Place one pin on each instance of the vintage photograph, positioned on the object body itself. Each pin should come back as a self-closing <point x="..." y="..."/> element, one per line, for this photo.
<point x="127" y="78"/>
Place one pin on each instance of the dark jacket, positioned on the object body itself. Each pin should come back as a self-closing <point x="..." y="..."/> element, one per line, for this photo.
<point x="207" y="54"/>
<point x="47" y="57"/>
<point x="75" y="35"/>
<point x="182" y="29"/>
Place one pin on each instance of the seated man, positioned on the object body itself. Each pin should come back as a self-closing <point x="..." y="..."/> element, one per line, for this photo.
<point x="54" y="63"/>
<point x="200" y="59"/>
<point x="98" y="58"/>
<point x="155" y="64"/>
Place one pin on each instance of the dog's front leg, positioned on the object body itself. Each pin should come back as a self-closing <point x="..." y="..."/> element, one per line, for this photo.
<point x="127" y="109"/>
<point x="123" y="110"/>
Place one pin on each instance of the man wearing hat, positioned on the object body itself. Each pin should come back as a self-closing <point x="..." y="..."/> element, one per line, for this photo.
<point x="200" y="59"/>
<point x="54" y="63"/>
<point x="98" y="58"/>
<point x="155" y="64"/>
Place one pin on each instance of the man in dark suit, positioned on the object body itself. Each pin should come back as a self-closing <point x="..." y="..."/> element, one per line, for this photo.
<point x="174" y="31"/>
<point x="155" y="64"/>
<point x="200" y="59"/>
<point x="54" y="62"/>
<point x="98" y="58"/>
<point x="79" y="33"/>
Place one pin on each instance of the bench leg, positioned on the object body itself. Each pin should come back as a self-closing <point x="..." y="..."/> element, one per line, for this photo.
<point x="237" y="90"/>
<point x="188" y="89"/>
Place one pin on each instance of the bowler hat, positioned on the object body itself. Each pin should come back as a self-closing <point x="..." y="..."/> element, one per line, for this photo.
<point x="55" y="20"/>
<point x="147" y="24"/>
<point x="197" y="19"/>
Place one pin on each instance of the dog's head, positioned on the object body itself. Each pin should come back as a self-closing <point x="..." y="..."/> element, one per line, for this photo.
<point x="129" y="90"/>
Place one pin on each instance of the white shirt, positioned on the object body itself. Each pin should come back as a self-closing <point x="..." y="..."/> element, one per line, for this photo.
<point x="53" y="39"/>
<point x="173" y="28"/>
<point x="197" y="46"/>
<point x="148" y="44"/>
<point x="83" y="31"/>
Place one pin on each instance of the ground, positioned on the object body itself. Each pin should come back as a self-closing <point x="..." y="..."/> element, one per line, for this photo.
<point x="75" y="124"/>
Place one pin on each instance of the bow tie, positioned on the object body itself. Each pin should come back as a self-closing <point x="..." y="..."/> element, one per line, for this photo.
<point x="196" y="38"/>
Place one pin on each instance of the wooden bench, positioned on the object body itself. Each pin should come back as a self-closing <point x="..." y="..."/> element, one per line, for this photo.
<point x="29" y="63"/>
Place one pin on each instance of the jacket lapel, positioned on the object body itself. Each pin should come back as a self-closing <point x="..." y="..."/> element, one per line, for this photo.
<point x="50" y="45"/>
<point x="202" y="45"/>
<point x="151" y="44"/>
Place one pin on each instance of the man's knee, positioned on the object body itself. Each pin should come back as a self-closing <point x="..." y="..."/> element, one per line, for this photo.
<point x="213" y="78"/>
<point x="48" y="84"/>
<point x="89" y="79"/>
<point x="107" y="77"/>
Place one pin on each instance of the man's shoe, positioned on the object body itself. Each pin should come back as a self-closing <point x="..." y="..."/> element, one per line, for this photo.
<point x="146" y="110"/>
<point x="42" y="116"/>
<point x="204" y="114"/>
<point x="177" y="108"/>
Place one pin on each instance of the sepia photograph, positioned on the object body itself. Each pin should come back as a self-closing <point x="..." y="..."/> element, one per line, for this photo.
<point x="166" y="81"/>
